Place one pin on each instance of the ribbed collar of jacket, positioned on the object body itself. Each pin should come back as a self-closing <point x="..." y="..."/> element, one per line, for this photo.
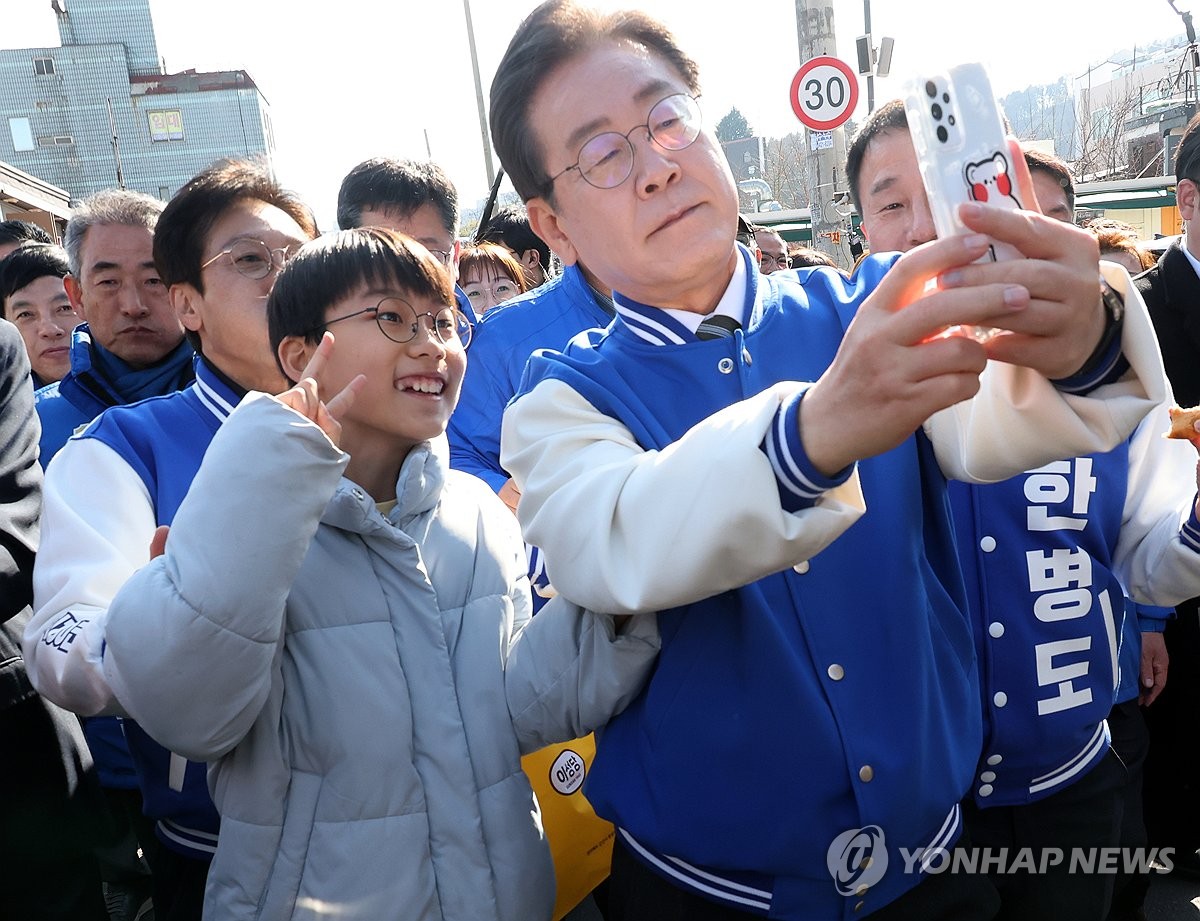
<point x="664" y="326"/>
<point x="218" y="394"/>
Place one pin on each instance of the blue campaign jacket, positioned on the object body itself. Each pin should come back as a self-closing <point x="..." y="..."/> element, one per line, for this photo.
<point x="86" y="390"/>
<point x="1139" y="619"/>
<point x="807" y="703"/>
<point x="1048" y="614"/>
<point x="163" y="440"/>
<point x="63" y="408"/>
<point x="546" y="317"/>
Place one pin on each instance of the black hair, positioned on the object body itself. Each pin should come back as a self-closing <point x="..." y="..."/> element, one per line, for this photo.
<point x="181" y="235"/>
<point x="382" y="184"/>
<point x="333" y="267"/>
<point x="1187" y="154"/>
<point x="1056" y="169"/>
<point x="510" y="226"/>
<point x="22" y="232"/>
<point x="553" y="34"/>
<point x="888" y="117"/>
<point x="26" y="264"/>
<point x="183" y="228"/>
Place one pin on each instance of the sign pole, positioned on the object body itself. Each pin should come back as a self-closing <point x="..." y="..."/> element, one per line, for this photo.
<point x="816" y="36"/>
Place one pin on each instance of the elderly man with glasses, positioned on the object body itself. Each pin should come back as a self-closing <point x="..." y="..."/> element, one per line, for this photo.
<point x="764" y="460"/>
<point x="218" y="247"/>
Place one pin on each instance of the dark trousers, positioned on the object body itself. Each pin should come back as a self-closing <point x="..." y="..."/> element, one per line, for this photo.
<point x="1086" y="814"/>
<point x="1172" y="782"/>
<point x="51" y="818"/>
<point x="120" y="862"/>
<point x="636" y="893"/>
<point x="178" y="884"/>
<point x="1130" y="741"/>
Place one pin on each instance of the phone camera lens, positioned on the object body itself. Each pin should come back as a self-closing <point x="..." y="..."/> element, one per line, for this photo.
<point x="946" y="97"/>
<point x="936" y="112"/>
<point x="931" y="89"/>
<point x="942" y="133"/>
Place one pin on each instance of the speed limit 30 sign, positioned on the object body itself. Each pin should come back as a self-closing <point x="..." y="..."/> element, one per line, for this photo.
<point x="824" y="93"/>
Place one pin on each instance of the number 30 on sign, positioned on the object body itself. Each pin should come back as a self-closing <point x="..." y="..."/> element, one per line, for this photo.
<point x="824" y="93"/>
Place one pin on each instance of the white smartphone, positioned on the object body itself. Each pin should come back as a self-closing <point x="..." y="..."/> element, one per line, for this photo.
<point x="962" y="151"/>
<point x="959" y="135"/>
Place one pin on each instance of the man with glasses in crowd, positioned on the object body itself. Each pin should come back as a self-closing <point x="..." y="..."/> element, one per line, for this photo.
<point x="218" y="247"/>
<point x="129" y="347"/>
<point x="412" y="197"/>
<point x="773" y="254"/>
<point x="816" y="693"/>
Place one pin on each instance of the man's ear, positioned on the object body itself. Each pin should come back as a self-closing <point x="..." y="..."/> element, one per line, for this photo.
<point x="862" y="228"/>
<point x="294" y="354"/>
<point x="75" y="295"/>
<point x="544" y="221"/>
<point x="184" y="300"/>
<point x="530" y="259"/>
<point x="1187" y="197"/>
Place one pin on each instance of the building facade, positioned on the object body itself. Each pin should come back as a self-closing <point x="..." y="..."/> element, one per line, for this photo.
<point x="98" y="111"/>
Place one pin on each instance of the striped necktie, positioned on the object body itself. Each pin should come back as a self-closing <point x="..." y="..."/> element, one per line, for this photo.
<point x="717" y="326"/>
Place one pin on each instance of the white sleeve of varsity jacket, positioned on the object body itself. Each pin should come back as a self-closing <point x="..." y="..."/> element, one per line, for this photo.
<point x="1019" y="420"/>
<point x="97" y="523"/>
<point x="193" y="635"/>
<point x="1158" y="553"/>
<point x="627" y="530"/>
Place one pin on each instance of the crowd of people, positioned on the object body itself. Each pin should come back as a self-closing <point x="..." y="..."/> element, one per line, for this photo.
<point x="308" y="538"/>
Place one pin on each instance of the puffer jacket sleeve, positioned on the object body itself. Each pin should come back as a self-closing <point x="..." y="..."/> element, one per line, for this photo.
<point x="570" y="671"/>
<point x="192" y="637"/>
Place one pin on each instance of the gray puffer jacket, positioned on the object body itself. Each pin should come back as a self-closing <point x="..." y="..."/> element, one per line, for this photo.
<point x="363" y="686"/>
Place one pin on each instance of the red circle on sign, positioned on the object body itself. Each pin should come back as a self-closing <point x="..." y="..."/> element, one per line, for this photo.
<point x="823" y="69"/>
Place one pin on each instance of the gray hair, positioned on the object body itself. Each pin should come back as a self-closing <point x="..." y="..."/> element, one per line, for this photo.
<point x="110" y="206"/>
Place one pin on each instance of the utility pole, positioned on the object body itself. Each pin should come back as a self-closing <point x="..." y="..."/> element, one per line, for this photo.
<point x="815" y="33"/>
<point x="483" y="127"/>
<point x="116" y="145"/>
<point x="871" y="75"/>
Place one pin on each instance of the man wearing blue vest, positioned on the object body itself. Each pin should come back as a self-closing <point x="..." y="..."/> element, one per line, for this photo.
<point x="218" y="247"/>
<point x="1062" y="757"/>
<point x="764" y="459"/>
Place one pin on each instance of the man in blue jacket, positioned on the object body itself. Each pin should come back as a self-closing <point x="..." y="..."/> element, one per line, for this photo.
<point x="413" y="197"/>
<point x="804" y="741"/>
<point x="218" y="247"/>
<point x="1053" y="634"/>
<point x="130" y="345"/>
